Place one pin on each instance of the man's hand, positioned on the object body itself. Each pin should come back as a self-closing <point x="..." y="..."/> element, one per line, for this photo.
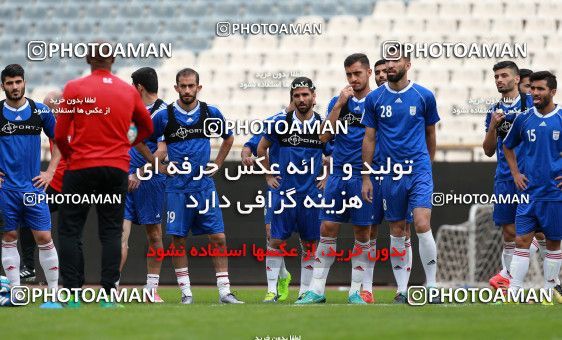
<point x="2" y="179"/>
<point x="249" y="161"/>
<point x="272" y="181"/>
<point x="134" y="182"/>
<point x="322" y="184"/>
<point x="520" y="181"/>
<point x="367" y="190"/>
<point x="497" y="118"/>
<point x="559" y="178"/>
<point x="43" y="180"/>
<point x="345" y="94"/>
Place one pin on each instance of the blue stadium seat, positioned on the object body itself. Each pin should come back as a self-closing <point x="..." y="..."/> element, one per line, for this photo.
<point x="325" y="8"/>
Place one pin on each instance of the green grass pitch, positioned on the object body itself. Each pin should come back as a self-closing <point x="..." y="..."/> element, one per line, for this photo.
<point x="206" y="319"/>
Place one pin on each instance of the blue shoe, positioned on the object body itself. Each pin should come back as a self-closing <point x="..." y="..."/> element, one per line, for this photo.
<point x="400" y="298"/>
<point x="310" y="297"/>
<point x="51" y="305"/>
<point x="356" y="299"/>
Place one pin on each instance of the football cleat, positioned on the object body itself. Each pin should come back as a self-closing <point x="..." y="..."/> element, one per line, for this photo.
<point x="51" y="305"/>
<point x="72" y="303"/>
<point x="499" y="282"/>
<point x="109" y="305"/>
<point x="283" y="287"/>
<point x="230" y="299"/>
<point x="557" y="293"/>
<point x="186" y="299"/>
<point x="27" y="275"/>
<point x="157" y="298"/>
<point x="401" y="298"/>
<point x="271" y="297"/>
<point x="356" y="299"/>
<point x="310" y="297"/>
<point x="367" y="296"/>
<point x="434" y="300"/>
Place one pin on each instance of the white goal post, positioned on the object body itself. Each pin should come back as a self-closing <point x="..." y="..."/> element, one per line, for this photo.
<point x="469" y="254"/>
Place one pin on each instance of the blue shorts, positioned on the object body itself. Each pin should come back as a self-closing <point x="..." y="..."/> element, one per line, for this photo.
<point x="401" y="197"/>
<point x="540" y="216"/>
<point x="299" y="219"/>
<point x="32" y="214"/>
<point x="378" y="206"/>
<point x="505" y="213"/>
<point x="144" y="205"/>
<point x="181" y="219"/>
<point x="335" y="185"/>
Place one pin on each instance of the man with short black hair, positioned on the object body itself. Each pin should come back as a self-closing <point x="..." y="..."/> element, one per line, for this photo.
<point x="145" y="199"/>
<point x="524" y="82"/>
<point x="538" y="130"/>
<point x="21" y="178"/>
<point x="498" y="121"/>
<point x="380" y="72"/>
<point x="98" y="160"/>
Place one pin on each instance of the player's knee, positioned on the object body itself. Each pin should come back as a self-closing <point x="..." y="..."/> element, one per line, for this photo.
<point x="154" y="234"/>
<point x="361" y="233"/>
<point x="42" y="238"/>
<point x="374" y="231"/>
<point x="421" y="224"/>
<point x="329" y="229"/>
<point x="508" y="232"/>
<point x="523" y="241"/>
<point x="274" y="243"/>
<point x="218" y="239"/>
<point x="10" y="236"/>
<point x="397" y="229"/>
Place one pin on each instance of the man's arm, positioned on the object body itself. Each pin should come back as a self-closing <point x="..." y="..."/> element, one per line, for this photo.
<point x="491" y="138"/>
<point x="263" y="146"/>
<point x="45" y="177"/>
<point x="224" y="150"/>
<point x="334" y="115"/>
<point x="141" y="118"/>
<point x="430" y="141"/>
<point x="367" y="153"/>
<point x="519" y="179"/>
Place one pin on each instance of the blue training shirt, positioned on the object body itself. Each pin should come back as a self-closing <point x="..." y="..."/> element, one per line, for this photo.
<point x="20" y="155"/>
<point x="400" y="119"/>
<point x="542" y="151"/>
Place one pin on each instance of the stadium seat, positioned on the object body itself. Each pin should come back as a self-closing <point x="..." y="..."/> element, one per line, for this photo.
<point x="549" y="9"/>
<point x="417" y="9"/>
<point x="326" y="8"/>
<point x="507" y="24"/>
<point x="534" y="24"/>
<point x="380" y="26"/>
<point x="279" y="59"/>
<point x="343" y="24"/>
<point x="328" y="42"/>
<point x="486" y="9"/>
<point x="475" y="25"/>
<point x="262" y="42"/>
<point x="213" y="57"/>
<point x="386" y="8"/>
<point x="408" y="25"/>
<point x="230" y="43"/>
<point x="441" y="25"/>
<point x="454" y="9"/>
<point x="523" y="9"/>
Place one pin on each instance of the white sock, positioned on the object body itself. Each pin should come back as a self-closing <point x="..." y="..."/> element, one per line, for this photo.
<point x="507" y="256"/>
<point x="542" y="248"/>
<point x="272" y="268"/>
<point x="322" y="264"/>
<point x="152" y="281"/>
<point x="11" y="262"/>
<point x="49" y="261"/>
<point x="182" y="275"/>
<point x="408" y="245"/>
<point x="307" y="268"/>
<point x="283" y="273"/>
<point x="368" y="277"/>
<point x="428" y="255"/>
<point x="518" y="269"/>
<point x="223" y="284"/>
<point x="534" y="246"/>
<point x="551" y="267"/>
<point x="399" y="263"/>
<point x="359" y="266"/>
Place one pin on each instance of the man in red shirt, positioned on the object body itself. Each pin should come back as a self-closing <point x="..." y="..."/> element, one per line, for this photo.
<point x="100" y="107"/>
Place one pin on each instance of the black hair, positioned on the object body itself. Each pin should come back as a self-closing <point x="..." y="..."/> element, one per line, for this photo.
<point x="12" y="70"/>
<point x="380" y="62"/>
<point x="187" y="72"/>
<point x="506" y="64"/>
<point x="147" y="77"/>
<point x="524" y="72"/>
<point x="302" y="82"/>
<point x="356" y="57"/>
<point x="544" y="75"/>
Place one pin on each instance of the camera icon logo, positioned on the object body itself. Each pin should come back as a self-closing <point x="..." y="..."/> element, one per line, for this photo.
<point x="438" y="199"/>
<point x="36" y="50"/>
<point x="222" y="29"/>
<point x="391" y="50"/>
<point x="213" y="127"/>
<point x="29" y="199"/>
<point x="19" y="295"/>
<point x="417" y="295"/>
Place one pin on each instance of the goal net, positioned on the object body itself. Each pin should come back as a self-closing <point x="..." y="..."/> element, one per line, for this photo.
<point x="470" y="253"/>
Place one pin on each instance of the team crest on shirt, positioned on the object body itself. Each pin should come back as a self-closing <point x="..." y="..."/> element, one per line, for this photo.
<point x="9" y="128"/>
<point x="555" y="134"/>
<point x="412" y="110"/>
